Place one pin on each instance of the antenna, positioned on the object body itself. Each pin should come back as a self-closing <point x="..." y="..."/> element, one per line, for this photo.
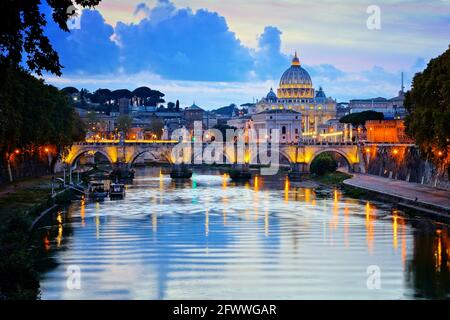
<point x="403" y="86"/>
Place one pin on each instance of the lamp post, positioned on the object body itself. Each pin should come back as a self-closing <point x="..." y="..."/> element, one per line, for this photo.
<point x="8" y="160"/>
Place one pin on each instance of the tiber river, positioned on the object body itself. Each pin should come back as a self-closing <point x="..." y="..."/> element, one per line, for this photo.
<point x="210" y="238"/>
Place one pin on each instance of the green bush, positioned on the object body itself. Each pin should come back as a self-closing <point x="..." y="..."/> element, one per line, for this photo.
<point x="323" y="164"/>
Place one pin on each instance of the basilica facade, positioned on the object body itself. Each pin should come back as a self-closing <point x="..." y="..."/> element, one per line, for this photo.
<point x="296" y="93"/>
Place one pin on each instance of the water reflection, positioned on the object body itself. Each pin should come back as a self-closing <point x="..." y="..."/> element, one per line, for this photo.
<point x="270" y="238"/>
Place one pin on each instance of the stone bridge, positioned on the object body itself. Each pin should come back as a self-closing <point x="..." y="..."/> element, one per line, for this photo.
<point x="298" y="156"/>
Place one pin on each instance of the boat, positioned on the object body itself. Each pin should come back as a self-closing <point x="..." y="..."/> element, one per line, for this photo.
<point x="117" y="191"/>
<point x="96" y="190"/>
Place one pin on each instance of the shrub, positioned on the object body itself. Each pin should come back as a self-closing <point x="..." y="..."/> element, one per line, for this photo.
<point x="323" y="164"/>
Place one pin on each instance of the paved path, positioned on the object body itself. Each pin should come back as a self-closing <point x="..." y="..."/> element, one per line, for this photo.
<point x="402" y="189"/>
<point x="40" y="182"/>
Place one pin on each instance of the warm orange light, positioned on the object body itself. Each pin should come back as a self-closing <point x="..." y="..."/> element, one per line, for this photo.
<point x="440" y="153"/>
<point x="17" y="151"/>
<point x="46" y="150"/>
<point x="368" y="150"/>
<point x="395" y="151"/>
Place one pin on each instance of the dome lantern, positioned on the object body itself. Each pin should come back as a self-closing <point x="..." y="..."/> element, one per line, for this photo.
<point x="296" y="60"/>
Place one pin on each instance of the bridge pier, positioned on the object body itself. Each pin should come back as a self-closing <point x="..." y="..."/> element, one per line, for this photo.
<point x="297" y="171"/>
<point x="240" y="172"/>
<point x="121" y="171"/>
<point x="181" y="172"/>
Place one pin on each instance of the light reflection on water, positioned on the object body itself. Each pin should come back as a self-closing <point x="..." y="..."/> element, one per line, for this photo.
<point x="266" y="239"/>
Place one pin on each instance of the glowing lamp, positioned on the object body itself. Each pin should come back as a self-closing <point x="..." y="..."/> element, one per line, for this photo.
<point x="17" y="151"/>
<point x="368" y="150"/>
<point x="395" y="151"/>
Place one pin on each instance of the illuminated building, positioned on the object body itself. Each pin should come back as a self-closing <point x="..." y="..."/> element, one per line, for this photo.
<point x="387" y="131"/>
<point x="296" y="93"/>
<point x="287" y="122"/>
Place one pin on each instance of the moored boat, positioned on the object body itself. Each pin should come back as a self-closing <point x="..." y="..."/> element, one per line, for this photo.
<point x="96" y="190"/>
<point x="117" y="191"/>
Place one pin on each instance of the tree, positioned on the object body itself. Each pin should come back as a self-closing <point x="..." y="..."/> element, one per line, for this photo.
<point x="428" y="106"/>
<point x="101" y="96"/>
<point x="177" y="106"/>
<point x="149" y="96"/>
<point x="323" y="164"/>
<point x="360" y="118"/>
<point x="22" y="26"/>
<point x="156" y="126"/>
<point x="124" y="123"/>
<point x="69" y="90"/>
<point x="170" y="106"/>
<point x="33" y="114"/>
<point x="121" y="93"/>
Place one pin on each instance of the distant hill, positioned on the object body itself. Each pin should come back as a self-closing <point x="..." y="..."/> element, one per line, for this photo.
<point x="230" y="110"/>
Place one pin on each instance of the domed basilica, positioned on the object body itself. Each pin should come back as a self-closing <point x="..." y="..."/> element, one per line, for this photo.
<point x="296" y="93"/>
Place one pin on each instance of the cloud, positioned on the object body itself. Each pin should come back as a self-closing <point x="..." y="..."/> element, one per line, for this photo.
<point x="179" y="50"/>
<point x="87" y="50"/>
<point x="326" y="71"/>
<point x="183" y="45"/>
<point x="270" y="62"/>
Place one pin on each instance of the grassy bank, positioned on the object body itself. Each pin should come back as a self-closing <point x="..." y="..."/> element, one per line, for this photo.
<point x="333" y="179"/>
<point x="20" y="204"/>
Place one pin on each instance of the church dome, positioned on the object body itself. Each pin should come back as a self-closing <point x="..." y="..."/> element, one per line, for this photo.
<point x="295" y="83"/>
<point x="295" y="75"/>
<point x="321" y="94"/>
<point x="271" y="96"/>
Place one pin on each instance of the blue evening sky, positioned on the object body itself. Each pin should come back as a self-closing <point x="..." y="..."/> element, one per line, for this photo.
<point x="219" y="52"/>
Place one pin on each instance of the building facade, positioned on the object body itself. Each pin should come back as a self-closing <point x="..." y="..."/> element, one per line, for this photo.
<point x="391" y="108"/>
<point x="286" y="121"/>
<point x="193" y="114"/>
<point x="387" y="131"/>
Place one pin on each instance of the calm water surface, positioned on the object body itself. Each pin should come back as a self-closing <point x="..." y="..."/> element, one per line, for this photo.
<point x="267" y="239"/>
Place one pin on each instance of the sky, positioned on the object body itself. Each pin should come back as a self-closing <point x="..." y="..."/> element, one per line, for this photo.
<point x="217" y="52"/>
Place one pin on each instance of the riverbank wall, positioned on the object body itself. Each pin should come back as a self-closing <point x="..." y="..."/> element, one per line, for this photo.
<point x="405" y="163"/>
<point x="16" y="258"/>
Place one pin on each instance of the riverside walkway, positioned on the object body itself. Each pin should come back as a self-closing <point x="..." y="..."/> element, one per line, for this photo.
<point x="412" y="195"/>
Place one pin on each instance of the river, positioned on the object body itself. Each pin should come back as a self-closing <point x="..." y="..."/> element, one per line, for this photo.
<point x="267" y="239"/>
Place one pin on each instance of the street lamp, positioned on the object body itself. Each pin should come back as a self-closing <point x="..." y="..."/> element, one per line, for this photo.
<point x="8" y="160"/>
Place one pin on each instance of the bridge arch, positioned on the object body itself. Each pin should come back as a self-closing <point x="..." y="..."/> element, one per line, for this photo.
<point x="342" y="153"/>
<point x="139" y="153"/>
<point x="73" y="159"/>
